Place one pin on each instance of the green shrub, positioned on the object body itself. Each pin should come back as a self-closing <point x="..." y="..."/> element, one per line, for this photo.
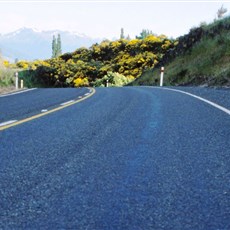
<point x="6" y="77"/>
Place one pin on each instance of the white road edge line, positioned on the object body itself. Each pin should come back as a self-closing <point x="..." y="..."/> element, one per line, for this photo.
<point x="7" y="123"/>
<point x="23" y="91"/>
<point x="68" y="102"/>
<point x="200" y="98"/>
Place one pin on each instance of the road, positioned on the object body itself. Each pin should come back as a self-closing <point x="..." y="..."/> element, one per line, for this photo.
<point x="124" y="158"/>
<point x="21" y="105"/>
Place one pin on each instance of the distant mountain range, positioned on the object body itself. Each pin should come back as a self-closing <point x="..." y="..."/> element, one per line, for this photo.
<point x="31" y="44"/>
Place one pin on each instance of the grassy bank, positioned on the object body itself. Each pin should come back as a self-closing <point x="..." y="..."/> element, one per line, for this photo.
<point x="6" y="77"/>
<point x="204" y="62"/>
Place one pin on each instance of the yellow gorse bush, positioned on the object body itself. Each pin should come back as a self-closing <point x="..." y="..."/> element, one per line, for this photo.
<point x="85" y="66"/>
<point x="80" y="82"/>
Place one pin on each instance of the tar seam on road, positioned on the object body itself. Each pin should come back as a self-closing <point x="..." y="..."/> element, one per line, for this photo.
<point x="199" y="98"/>
<point x="48" y="112"/>
<point x="22" y="91"/>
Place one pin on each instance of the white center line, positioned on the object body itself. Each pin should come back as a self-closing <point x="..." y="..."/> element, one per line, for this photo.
<point x="7" y="123"/>
<point x="68" y="102"/>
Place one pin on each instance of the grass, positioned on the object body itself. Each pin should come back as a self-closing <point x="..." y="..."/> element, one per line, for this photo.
<point x="207" y="62"/>
<point x="6" y="77"/>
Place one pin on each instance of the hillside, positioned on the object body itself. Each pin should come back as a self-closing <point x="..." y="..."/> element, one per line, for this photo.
<point x="201" y="58"/>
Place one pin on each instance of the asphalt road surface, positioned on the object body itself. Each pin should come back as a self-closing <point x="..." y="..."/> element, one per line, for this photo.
<point x="124" y="158"/>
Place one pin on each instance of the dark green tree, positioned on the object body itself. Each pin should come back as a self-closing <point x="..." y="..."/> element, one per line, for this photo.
<point x="122" y="36"/>
<point x="59" y="51"/>
<point x="56" y="46"/>
<point x="221" y="12"/>
<point x="144" y="33"/>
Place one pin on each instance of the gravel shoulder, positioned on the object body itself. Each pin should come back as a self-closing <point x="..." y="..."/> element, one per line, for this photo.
<point x="10" y="89"/>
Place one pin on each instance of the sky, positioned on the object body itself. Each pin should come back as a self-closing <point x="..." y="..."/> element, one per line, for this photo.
<point x="104" y="19"/>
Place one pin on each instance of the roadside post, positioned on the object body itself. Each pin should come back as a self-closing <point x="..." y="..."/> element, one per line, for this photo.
<point x="162" y="76"/>
<point x="16" y="80"/>
<point x="22" y="84"/>
<point x="107" y="83"/>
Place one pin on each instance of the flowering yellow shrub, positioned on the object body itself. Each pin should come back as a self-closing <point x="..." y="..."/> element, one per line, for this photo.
<point x="134" y="42"/>
<point x="124" y="59"/>
<point x="152" y="39"/>
<point x="23" y="64"/>
<point x="34" y="65"/>
<point x="166" y="45"/>
<point x="6" y="63"/>
<point x="81" y="82"/>
<point x="115" y="44"/>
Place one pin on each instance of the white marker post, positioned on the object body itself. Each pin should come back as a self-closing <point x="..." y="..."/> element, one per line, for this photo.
<point x="22" y="84"/>
<point x="162" y="76"/>
<point x="16" y="80"/>
<point x="107" y="83"/>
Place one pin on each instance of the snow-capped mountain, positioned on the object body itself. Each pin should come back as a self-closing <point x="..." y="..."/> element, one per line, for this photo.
<point x="31" y="44"/>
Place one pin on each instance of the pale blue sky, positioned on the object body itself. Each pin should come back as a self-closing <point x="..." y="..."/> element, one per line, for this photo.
<point x="105" y="19"/>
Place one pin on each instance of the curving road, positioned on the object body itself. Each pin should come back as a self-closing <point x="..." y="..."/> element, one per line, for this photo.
<point x="124" y="158"/>
<point x="21" y="105"/>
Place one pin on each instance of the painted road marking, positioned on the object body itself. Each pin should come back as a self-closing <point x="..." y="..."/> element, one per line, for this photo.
<point x="7" y="123"/>
<point x="23" y="91"/>
<point x="201" y="99"/>
<point x="86" y="94"/>
<point x="80" y="97"/>
<point x="46" y="113"/>
<point x="44" y="110"/>
<point x="68" y="102"/>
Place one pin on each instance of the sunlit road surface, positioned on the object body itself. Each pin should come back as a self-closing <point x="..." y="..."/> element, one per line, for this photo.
<point x="124" y="158"/>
